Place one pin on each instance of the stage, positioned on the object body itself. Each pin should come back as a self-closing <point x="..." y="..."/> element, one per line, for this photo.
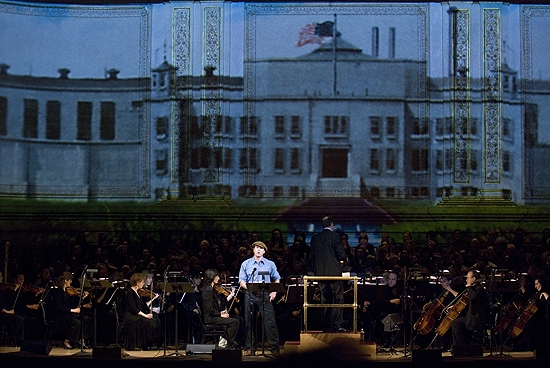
<point x="334" y="356"/>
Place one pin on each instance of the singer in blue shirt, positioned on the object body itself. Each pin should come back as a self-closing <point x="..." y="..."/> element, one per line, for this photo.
<point x="260" y="270"/>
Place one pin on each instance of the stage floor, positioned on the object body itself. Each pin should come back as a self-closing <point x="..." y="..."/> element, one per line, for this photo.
<point x="13" y="357"/>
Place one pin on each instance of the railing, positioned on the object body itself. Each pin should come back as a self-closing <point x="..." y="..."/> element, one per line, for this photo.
<point x="317" y="305"/>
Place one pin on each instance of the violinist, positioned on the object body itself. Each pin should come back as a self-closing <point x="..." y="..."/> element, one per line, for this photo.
<point x="8" y="304"/>
<point x="142" y="327"/>
<point x="67" y="302"/>
<point x="215" y="311"/>
<point x="475" y="314"/>
<point x="150" y="297"/>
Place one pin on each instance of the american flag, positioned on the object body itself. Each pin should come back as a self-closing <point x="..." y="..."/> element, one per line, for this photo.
<point x="314" y="33"/>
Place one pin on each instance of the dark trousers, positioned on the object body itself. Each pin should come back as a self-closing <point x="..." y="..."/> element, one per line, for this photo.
<point x="332" y="292"/>
<point x="461" y="335"/>
<point x="15" y="322"/>
<point x="232" y="327"/>
<point x="260" y="302"/>
<point x="71" y="326"/>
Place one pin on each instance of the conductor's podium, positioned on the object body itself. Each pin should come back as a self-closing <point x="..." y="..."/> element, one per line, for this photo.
<point x="346" y="344"/>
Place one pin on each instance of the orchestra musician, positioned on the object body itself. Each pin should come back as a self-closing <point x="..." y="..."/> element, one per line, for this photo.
<point x="141" y="326"/>
<point x="67" y="308"/>
<point x="9" y="296"/>
<point x="452" y="285"/>
<point x="475" y="314"/>
<point x="530" y="325"/>
<point x="391" y="305"/>
<point x="214" y="311"/>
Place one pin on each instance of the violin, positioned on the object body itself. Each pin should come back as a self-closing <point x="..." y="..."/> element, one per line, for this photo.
<point x="221" y="290"/>
<point x="7" y="287"/>
<point x="36" y="290"/>
<point x="147" y="294"/>
<point x="72" y="291"/>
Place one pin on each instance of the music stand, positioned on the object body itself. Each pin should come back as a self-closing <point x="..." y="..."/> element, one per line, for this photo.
<point x="262" y="287"/>
<point x="117" y="285"/>
<point x="177" y="288"/>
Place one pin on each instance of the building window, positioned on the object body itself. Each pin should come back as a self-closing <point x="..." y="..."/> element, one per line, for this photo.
<point x="30" y="122"/>
<point x="375" y="41"/>
<point x="195" y="129"/>
<point x="375" y="127"/>
<point x="439" y="127"/>
<point x="249" y="159"/>
<point x="227" y="158"/>
<point x="249" y="126"/>
<point x="53" y="120"/>
<point x="448" y="159"/>
<point x="474" y="124"/>
<point x="420" y="126"/>
<point x="227" y="125"/>
<point x="473" y="160"/>
<point x="390" y="159"/>
<point x="391" y="127"/>
<point x="295" y="127"/>
<point x="439" y="160"/>
<point x="107" y="121"/>
<point x="374" y="160"/>
<point x="419" y="160"/>
<point x="295" y="161"/>
<point x="391" y="53"/>
<point x="506" y="127"/>
<point x="84" y="116"/>
<point x="449" y="126"/>
<point x="3" y="116"/>
<point x="279" y="160"/>
<point x="506" y="161"/>
<point x="279" y="126"/>
<point x="204" y="157"/>
<point x="336" y="125"/>
<point x="195" y="158"/>
<point x="161" y="162"/>
<point x="162" y="127"/>
<point x="390" y="192"/>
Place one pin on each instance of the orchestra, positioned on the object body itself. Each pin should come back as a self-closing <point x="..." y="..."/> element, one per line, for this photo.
<point x="444" y="309"/>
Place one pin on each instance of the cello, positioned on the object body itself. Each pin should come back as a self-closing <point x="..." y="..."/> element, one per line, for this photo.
<point x="452" y="311"/>
<point x="510" y="312"/>
<point x="527" y="311"/>
<point x="432" y="313"/>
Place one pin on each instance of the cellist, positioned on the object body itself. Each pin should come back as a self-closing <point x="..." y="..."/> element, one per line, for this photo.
<point x="475" y="314"/>
<point x="531" y="323"/>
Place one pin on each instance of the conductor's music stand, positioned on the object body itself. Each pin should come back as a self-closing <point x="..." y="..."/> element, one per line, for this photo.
<point x="262" y="287"/>
<point x="178" y="288"/>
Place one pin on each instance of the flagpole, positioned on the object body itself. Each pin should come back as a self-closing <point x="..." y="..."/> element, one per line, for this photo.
<point x="334" y="33"/>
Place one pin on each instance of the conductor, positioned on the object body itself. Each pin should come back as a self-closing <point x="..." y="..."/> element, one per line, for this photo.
<point x="326" y="258"/>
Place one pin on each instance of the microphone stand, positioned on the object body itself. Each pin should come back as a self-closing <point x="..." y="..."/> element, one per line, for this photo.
<point x="162" y="306"/>
<point x="251" y="311"/>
